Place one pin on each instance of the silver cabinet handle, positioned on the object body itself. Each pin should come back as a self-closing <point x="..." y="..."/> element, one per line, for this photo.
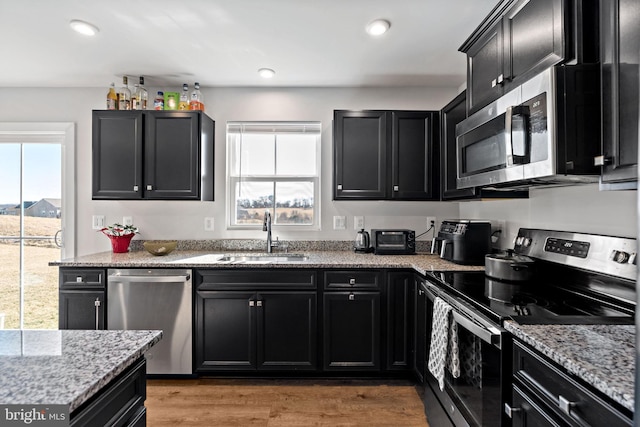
<point x="78" y="279"/>
<point x="509" y="410"/>
<point x="565" y="404"/>
<point x="259" y="303"/>
<point x="135" y="188"/>
<point x="396" y="188"/>
<point x="352" y="281"/>
<point x="96" y="303"/>
<point x="149" y="187"/>
<point x="500" y="79"/>
<point x="149" y="279"/>
<point x="339" y="186"/>
<point x="352" y="297"/>
<point x="602" y="161"/>
<point x="252" y="303"/>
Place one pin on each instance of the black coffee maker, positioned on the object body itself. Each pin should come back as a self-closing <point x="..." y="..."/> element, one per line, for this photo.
<point x="463" y="241"/>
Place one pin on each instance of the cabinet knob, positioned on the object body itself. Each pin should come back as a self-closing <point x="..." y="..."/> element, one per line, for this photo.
<point x="135" y="188"/>
<point x="352" y="281"/>
<point x="149" y="187"/>
<point x="500" y="79"/>
<point x="339" y="186"/>
<point x="259" y="303"/>
<point x="494" y="83"/>
<point x="352" y="297"/>
<point x="78" y="279"/>
<point x="509" y="410"/>
<point x="252" y="303"/>
<point x="396" y="188"/>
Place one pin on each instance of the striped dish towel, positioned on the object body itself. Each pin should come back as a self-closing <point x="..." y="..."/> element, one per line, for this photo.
<point x="444" y="342"/>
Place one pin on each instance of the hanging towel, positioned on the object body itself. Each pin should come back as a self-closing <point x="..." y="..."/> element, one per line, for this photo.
<point x="444" y="342"/>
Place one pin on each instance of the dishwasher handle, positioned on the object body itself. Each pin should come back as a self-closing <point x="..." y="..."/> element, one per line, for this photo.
<point x="147" y="279"/>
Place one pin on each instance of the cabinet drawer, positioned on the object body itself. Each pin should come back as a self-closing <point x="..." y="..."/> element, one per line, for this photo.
<point x="84" y="278"/>
<point x="255" y="279"/>
<point x="561" y="393"/>
<point x="353" y="279"/>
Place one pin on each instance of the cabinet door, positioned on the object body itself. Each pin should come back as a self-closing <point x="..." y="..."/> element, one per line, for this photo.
<point x="117" y="154"/>
<point x="351" y="331"/>
<point x="534" y="34"/>
<point x="172" y="153"/>
<point x="484" y="69"/>
<point x="398" y="330"/>
<point x="419" y="358"/>
<point x="287" y="338"/>
<point x="452" y="114"/>
<point x="360" y="164"/>
<point x="415" y="156"/>
<point x="225" y="331"/>
<point x="620" y="62"/>
<point x="81" y="309"/>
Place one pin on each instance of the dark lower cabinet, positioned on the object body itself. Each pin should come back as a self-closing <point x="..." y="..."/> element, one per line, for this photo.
<point x="120" y="403"/>
<point x="351" y="321"/>
<point x="544" y="394"/>
<point x="249" y="330"/>
<point x="399" y="296"/>
<point x="419" y="341"/>
<point x="82" y="299"/>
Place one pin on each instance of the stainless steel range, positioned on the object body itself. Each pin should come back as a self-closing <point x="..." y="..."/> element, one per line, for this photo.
<point x="577" y="279"/>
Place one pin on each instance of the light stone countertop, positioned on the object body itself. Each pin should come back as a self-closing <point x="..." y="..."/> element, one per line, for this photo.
<point x="420" y="262"/>
<point x="65" y="367"/>
<point x="601" y="355"/>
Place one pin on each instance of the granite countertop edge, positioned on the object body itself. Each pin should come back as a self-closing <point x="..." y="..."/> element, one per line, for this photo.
<point x="606" y="360"/>
<point x="422" y="263"/>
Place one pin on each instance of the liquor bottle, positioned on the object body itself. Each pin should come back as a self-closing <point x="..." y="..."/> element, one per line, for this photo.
<point x="184" y="98"/>
<point x="196" y="99"/>
<point x="112" y="98"/>
<point x="124" y="95"/>
<point x="158" y="103"/>
<point x="143" y="96"/>
<point x="135" y="101"/>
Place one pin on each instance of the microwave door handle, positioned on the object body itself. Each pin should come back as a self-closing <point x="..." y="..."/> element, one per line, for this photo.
<point x="512" y="111"/>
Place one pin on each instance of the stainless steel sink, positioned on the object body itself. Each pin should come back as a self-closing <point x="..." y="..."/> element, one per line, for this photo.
<point x="267" y="258"/>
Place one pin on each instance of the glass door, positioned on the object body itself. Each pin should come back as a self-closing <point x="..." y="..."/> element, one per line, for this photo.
<point x="30" y="233"/>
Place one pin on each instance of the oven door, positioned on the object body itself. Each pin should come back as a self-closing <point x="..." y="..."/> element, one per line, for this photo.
<point x="476" y="397"/>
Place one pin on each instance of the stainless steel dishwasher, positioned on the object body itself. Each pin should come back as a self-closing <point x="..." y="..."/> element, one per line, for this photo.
<point x="155" y="299"/>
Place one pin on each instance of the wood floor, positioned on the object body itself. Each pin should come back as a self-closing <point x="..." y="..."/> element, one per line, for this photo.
<point x="243" y="402"/>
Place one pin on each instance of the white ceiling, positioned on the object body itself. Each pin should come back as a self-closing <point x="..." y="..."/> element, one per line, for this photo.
<point x="224" y="42"/>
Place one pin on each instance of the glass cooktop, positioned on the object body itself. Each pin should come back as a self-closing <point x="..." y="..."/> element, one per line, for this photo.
<point x="557" y="299"/>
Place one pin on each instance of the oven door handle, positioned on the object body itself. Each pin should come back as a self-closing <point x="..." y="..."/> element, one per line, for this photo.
<point x="490" y="336"/>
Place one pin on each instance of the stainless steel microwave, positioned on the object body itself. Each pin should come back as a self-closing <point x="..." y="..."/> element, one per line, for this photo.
<point x="546" y="131"/>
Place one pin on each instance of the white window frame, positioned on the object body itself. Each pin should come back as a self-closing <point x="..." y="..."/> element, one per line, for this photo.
<point x="233" y="180"/>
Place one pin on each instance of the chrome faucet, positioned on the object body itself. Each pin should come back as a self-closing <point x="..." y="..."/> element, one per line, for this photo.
<point x="266" y="226"/>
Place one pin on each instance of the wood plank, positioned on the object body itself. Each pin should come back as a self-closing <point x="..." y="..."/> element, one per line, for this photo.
<point x="284" y="403"/>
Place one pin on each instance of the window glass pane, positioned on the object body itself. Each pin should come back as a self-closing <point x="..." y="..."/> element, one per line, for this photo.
<point x="252" y="199"/>
<point x="294" y="203"/>
<point x="257" y="155"/>
<point x="296" y="155"/>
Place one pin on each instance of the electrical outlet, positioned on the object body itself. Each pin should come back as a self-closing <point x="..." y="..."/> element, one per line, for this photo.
<point x="127" y="220"/>
<point x="358" y="222"/>
<point x="498" y="230"/>
<point x="431" y="221"/>
<point x="339" y="222"/>
<point x="97" y="222"/>
<point x="208" y="223"/>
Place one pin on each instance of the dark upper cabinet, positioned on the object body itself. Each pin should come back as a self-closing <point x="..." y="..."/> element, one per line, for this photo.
<point x="163" y="155"/>
<point x="521" y="38"/>
<point x="385" y="155"/>
<point x="620" y="62"/>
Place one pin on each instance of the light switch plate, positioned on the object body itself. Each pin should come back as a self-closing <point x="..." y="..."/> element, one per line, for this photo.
<point x="339" y="222"/>
<point x="358" y="222"/>
<point x="97" y="222"/>
<point x="208" y="223"/>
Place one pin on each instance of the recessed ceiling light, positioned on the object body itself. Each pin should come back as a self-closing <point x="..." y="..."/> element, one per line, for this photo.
<point x="266" y="73"/>
<point x="378" y="27"/>
<point x="83" y="27"/>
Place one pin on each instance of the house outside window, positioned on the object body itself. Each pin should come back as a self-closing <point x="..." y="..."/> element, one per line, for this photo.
<point x="274" y="167"/>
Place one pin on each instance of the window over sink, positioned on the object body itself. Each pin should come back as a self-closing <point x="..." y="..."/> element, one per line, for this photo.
<point x="273" y="166"/>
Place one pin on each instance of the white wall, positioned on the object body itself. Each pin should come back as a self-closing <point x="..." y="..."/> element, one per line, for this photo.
<point x="578" y="208"/>
<point x="185" y="220"/>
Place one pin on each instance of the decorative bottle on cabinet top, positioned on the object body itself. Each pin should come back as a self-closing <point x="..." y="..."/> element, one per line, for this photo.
<point x="184" y="98"/>
<point x="139" y="98"/>
<point x="196" y="99"/>
<point x="112" y="98"/>
<point x="124" y="95"/>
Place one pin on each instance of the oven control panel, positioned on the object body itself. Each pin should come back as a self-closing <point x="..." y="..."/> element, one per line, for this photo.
<point x="616" y="256"/>
<point x="567" y="247"/>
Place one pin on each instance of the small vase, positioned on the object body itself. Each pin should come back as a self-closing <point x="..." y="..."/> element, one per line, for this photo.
<point x="120" y="244"/>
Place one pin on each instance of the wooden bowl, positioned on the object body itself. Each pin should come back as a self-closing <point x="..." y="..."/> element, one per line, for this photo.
<point x="160" y="247"/>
